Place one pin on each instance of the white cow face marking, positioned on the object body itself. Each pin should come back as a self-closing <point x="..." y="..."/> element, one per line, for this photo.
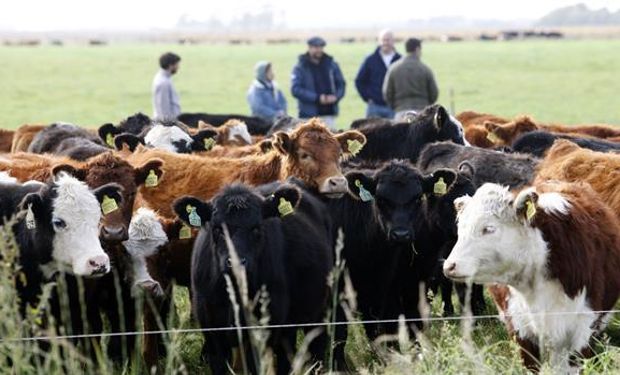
<point x="240" y="132"/>
<point x="170" y="138"/>
<point x="146" y="234"/>
<point x="75" y="220"/>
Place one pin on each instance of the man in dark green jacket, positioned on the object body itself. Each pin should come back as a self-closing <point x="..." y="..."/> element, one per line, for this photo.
<point x="409" y="84"/>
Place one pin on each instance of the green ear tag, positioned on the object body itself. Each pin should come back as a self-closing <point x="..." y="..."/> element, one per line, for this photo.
<point x="365" y="195"/>
<point x="108" y="205"/>
<point x="285" y="207"/>
<point x="209" y="143"/>
<point x="185" y="232"/>
<point x="354" y="146"/>
<point x="31" y="223"/>
<point x="194" y="218"/>
<point x="440" y="187"/>
<point x="109" y="139"/>
<point x="493" y="138"/>
<point x="531" y="210"/>
<point x="151" y="179"/>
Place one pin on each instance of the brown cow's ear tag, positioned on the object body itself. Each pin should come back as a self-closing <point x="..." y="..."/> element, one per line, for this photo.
<point x="530" y="211"/>
<point x="285" y="207"/>
<point x="440" y="187"/>
<point x="108" y="205"/>
<point x="193" y="217"/>
<point x="109" y="139"/>
<point x="364" y="194"/>
<point x="31" y="223"/>
<point x="185" y="232"/>
<point x="354" y="146"/>
<point x="493" y="138"/>
<point x="151" y="179"/>
<point x="209" y="143"/>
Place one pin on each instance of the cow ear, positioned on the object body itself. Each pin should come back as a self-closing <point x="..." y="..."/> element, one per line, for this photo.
<point x="107" y="132"/>
<point x="78" y="173"/>
<point x="282" y="143"/>
<point x="441" y="117"/>
<point x="526" y="205"/>
<point x="204" y="140"/>
<point x="439" y="182"/>
<point x="126" y="139"/>
<point x="111" y="191"/>
<point x="467" y="170"/>
<point x="265" y="145"/>
<point x="282" y="202"/>
<point x="491" y="127"/>
<point x="148" y="171"/>
<point x="351" y="142"/>
<point x="460" y="203"/>
<point x="361" y="186"/>
<point x="192" y="211"/>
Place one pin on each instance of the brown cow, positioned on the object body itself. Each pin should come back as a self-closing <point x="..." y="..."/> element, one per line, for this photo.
<point x="478" y="136"/>
<point x="310" y="153"/>
<point x="6" y="140"/>
<point x="232" y="133"/>
<point x="23" y="137"/>
<point x="565" y="161"/>
<point x="468" y="118"/>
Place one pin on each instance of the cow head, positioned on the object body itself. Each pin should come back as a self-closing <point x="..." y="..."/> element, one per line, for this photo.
<point x="438" y="125"/>
<point x="505" y="134"/>
<point x="497" y="242"/>
<point x="251" y="221"/>
<point x="68" y="213"/>
<point x="312" y="153"/>
<point x="232" y="133"/>
<point x="132" y="125"/>
<point x="106" y="168"/>
<point x="397" y="192"/>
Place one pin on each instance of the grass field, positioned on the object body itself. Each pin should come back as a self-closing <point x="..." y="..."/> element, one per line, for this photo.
<point x="564" y="81"/>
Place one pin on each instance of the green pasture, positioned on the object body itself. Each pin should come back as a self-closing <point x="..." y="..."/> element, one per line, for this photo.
<point x="564" y="81"/>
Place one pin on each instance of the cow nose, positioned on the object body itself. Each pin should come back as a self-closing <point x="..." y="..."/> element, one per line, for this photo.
<point x="337" y="184"/>
<point x="99" y="264"/>
<point x="116" y="233"/>
<point x="400" y="235"/>
<point x="449" y="268"/>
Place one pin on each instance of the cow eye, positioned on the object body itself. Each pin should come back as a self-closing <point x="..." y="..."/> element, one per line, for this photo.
<point x="59" y="223"/>
<point x="304" y="156"/>
<point x="488" y="230"/>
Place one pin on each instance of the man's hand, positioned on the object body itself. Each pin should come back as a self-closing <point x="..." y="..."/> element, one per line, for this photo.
<point x="331" y="99"/>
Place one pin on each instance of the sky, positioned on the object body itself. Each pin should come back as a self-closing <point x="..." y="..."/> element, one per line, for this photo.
<point x="138" y="15"/>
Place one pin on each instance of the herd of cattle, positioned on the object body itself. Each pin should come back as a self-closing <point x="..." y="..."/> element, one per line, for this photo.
<point x="532" y="209"/>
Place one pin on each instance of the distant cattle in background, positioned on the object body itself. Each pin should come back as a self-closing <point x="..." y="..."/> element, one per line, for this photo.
<point x="67" y="139"/>
<point x="23" y="137"/>
<point x="256" y="125"/>
<point x="538" y="142"/>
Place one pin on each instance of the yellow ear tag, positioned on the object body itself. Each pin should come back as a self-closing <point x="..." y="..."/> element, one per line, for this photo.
<point x="209" y="143"/>
<point x="185" y="232"/>
<point x="530" y="211"/>
<point x="365" y="195"/>
<point x="354" y="146"/>
<point x="194" y="218"/>
<point x="493" y="138"/>
<point x="285" y="207"/>
<point x="109" y="139"/>
<point x="440" y="187"/>
<point x="151" y="179"/>
<point x="31" y="223"/>
<point x="108" y="205"/>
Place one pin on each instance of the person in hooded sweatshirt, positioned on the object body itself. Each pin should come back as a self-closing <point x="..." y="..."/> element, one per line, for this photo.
<point x="318" y="84"/>
<point x="265" y="99"/>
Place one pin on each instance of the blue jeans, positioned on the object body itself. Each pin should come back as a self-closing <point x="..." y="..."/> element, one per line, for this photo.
<point x="378" y="110"/>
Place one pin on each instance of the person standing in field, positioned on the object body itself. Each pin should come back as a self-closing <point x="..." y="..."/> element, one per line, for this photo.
<point x="166" y="104"/>
<point x="317" y="83"/>
<point x="265" y="99"/>
<point x="369" y="80"/>
<point x="409" y="84"/>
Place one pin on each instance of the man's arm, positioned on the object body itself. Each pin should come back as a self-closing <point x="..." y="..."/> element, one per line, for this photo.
<point x="361" y="80"/>
<point x="339" y="82"/>
<point x="433" y="90"/>
<point x="163" y="100"/>
<point x="388" y="88"/>
<point x="298" y="90"/>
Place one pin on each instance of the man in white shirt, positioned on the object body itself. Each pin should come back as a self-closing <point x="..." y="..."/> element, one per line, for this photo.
<point x="166" y="103"/>
<point x="369" y="80"/>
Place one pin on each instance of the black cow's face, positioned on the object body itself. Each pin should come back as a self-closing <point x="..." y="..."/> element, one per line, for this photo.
<point x="398" y="192"/>
<point x="241" y="214"/>
<point x="444" y="126"/>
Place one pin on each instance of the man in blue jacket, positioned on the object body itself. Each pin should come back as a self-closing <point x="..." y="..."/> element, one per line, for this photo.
<point x="369" y="80"/>
<point x="317" y="83"/>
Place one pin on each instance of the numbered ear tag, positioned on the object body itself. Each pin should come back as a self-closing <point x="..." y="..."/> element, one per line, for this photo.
<point x="31" y="223"/>
<point x="185" y="232"/>
<point x="109" y="139"/>
<point x="531" y="210"/>
<point x="285" y="207"/>
<point x="209" y="143"/>
<point x="354" y="146"/>
<point x="194" y="218"/>
<point x="365" y="195"/>
<point x="108" y="205"/>
<point x="152" y="179"/>
<point x="493" y="138"/>
<point x="440" y="187"/>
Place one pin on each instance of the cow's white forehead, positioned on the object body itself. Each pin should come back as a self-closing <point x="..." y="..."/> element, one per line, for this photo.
<point x="74" y="202"/>
<point x="241" y="130"/>
<point x="145" y="225"/>
<point x="161" y="136"/>
<point x="489" y="199"/>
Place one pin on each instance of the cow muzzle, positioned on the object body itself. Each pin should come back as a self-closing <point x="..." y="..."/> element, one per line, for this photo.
<point x="400" y="235"/>
<point x="114" y="233"/>
<point x="97" y="265"/>
<point x="334" y="187"/>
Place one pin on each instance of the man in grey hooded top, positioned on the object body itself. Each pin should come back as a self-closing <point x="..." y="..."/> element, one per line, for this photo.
<point x="265" y="99"/>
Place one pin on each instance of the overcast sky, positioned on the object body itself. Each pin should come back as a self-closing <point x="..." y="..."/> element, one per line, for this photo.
<point x="41" y="15"/>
